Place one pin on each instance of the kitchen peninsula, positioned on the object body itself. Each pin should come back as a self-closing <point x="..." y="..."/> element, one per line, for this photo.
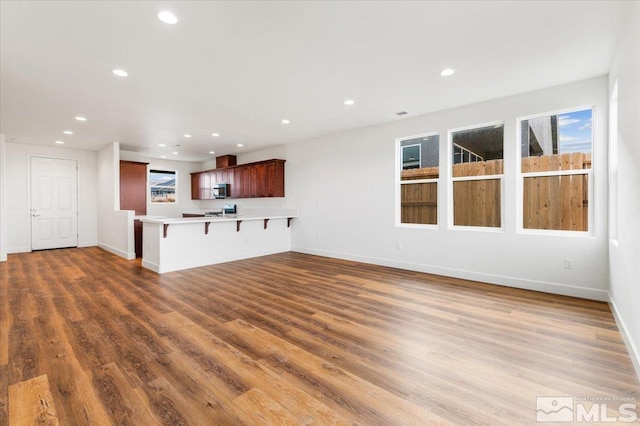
<point x="172" y="244"/>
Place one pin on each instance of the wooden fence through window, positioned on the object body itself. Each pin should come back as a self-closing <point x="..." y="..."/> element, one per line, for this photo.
<point x="550" y="202"/>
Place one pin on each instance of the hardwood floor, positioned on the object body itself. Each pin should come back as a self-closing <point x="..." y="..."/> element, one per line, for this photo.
<point x="89" y="338"/>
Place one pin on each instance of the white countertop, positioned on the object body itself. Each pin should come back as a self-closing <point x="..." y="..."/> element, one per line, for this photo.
<point x="227" y="218"/>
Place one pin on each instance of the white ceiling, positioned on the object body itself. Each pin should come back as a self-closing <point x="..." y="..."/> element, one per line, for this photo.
<point x="239" y="68"/>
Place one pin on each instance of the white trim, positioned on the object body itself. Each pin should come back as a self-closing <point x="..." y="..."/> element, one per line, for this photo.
<point x="502" y="280"/>
<point x="556" y="233"/>
<point x="477" y="228"/>
<point x="408" y="182"/>
<point x="117" y="252"/>
<point x="479" y="177"/>
<point x="612" y="178"/>
<point x="555" y="112"/>
<point x="419" y="225"/>
<point x="3" y="212"/>
<point x="634" y="353"/>
<point x="557" y="173"/>
<point x="150" y="265"/>
<point x="87" y="244"/>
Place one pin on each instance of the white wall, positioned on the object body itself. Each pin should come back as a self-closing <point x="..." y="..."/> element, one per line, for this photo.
<point x="183" y="170"/>
<point x="624" y="254"/>
<point x="115" y="227"/>
<point x="16" y="216"/>
<point x="344" y="189"/>
<point x="3" y="180"/>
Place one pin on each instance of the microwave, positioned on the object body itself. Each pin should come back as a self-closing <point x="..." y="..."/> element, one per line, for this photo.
<point x="220" y="190"/>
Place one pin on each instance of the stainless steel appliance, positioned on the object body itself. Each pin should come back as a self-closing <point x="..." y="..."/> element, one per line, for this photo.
<point x="220" y="190"/>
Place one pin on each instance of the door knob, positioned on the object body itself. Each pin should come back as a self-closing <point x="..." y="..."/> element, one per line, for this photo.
<point x="35" y="215"/>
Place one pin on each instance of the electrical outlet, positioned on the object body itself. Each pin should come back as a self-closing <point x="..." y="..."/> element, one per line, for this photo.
<point x="568" y="264"/>
<point x="398" y="246"/>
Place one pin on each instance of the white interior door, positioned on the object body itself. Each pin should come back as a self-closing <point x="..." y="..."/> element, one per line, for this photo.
<point x="54" y="203"/>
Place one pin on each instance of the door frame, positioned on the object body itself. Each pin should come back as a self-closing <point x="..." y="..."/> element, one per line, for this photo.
<point x="53" y="157"/>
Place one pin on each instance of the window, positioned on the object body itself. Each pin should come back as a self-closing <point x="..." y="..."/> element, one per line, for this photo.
<point x="162" y="186"/>
<point x="419" y="172"/>
<point x="556" y="170"/>
<point x="477" y="175"/>
<point x="613" y="164"/>
<point x="411" y="157"/>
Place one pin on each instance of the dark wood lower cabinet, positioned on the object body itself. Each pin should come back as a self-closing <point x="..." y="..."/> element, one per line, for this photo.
<point x="252" y="180"/>
<point x="137" y="235"/>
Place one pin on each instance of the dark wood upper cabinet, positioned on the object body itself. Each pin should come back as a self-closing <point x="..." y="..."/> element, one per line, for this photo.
<point x="133" y="186"/>
<point x="195" y="186"/>
<point x="252" y="180"/>
<point x="226" y="161"/>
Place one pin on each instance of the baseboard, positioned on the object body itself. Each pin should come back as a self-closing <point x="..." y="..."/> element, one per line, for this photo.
<point x="150" y="265"/>
<point x="87" y="244"/>
<point x="117" y="252"/>
<point x="543" y="286"/>
<point x="634" y="353"/>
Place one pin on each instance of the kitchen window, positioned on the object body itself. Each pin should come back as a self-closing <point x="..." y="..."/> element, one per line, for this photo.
<point x="162" y="186"/>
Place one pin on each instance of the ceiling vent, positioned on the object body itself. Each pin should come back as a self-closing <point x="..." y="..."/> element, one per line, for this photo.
<point x="402" y="113"/>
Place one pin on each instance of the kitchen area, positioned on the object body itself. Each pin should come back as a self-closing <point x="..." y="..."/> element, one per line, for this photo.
<point x="229" y="212"/>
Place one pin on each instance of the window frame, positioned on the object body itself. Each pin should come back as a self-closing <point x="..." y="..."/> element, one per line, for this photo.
<point x="451" y="179"/>
<point x="520" y="229"/>
<point x="399" y="182"/>
<point x="613" y="165"/>
<point x="402" y="148"/>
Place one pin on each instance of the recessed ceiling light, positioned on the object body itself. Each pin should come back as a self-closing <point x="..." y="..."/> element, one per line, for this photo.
<point x="187" y="136"/>
<point x="285" y="121"/>
<point x="163" y="156"/>
<point x="81" y="118"/>
<point x="447" y="72"/>
<point x="60" y="142"/>
<point x="175" y="153"/>
<point x="349" y="102"/>
<point x="68" y="132"/>
<point x="120" y="73"/>
<point x="240" y="145"/>
<point x="167" y="17"/>
<point x="212" y="152"/>
<point x="161" y="144"/>
<point x="215" y="135"/>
